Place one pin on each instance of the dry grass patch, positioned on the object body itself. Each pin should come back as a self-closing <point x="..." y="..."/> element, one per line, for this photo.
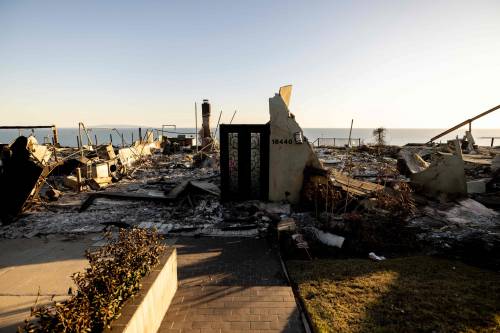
<point x="414" y="294"/>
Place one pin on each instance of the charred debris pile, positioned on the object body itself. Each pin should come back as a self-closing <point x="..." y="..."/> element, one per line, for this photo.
<point x="264" y="180"/>
<point x="389" y="201"/>
<point x="156" y="183"/>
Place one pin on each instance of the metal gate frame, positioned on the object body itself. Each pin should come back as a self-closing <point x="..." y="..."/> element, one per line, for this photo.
<point x="244" y="176"/>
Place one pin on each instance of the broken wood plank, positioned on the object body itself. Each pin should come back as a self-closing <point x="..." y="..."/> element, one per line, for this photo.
<point x="355" y="186"/>
<point x="473" y="158"/>
<point x="121" y="196"/>
<point x="210" y="188"/>
<point x="176" y="191"/>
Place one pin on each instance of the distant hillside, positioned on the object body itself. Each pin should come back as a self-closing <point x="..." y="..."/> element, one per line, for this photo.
<point x="118" y="126"/>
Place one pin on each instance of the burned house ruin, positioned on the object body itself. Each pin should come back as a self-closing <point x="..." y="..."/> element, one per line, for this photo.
<point x="266" y="161"/>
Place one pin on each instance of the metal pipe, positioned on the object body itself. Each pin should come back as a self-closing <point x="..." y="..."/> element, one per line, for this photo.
<point x="232" y="117"/>
<point x="174" y="126"/>
<point x="89" y="140"/>
<point x="350" y="132"/>
<point x="218" y="121"/>
<point x="196" y="125"/>
<point x="80" y="143"/>
<point x="26" y="127"/>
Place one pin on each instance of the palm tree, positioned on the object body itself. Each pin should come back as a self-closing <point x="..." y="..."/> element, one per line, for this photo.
<point x="379" y="134"/>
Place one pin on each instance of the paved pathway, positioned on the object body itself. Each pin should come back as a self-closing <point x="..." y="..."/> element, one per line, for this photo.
<point x="29" y="267"/>
<point x="230" y="285"/>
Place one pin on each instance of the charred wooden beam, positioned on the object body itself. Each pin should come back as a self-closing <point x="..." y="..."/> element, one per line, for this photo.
<point x="468" y="121"/>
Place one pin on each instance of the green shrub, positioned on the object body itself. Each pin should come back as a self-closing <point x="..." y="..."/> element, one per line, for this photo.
<point x="114" y="275"/>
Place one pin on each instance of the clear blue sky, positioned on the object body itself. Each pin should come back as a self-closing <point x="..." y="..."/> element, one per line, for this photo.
<point x="390" y="63"/>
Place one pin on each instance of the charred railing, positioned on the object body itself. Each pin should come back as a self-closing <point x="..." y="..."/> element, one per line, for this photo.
<point x="336" y="142"/>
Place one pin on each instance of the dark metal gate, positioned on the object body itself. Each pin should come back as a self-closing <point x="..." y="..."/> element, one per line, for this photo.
<point x="244" y="162"/>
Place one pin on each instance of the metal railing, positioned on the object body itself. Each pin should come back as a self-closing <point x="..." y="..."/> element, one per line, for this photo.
<point x="336" y="142"/>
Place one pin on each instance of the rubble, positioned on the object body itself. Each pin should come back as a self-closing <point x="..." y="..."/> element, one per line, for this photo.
<point x="375" y="257"/>
<point x="72" y="183"/>
<point x="354" y="186"/>
<point x="410" y="162"/>
<point x="19" y="177"/>
<point x="477" y="186"/>
<point x="275" y="207"/>
<point x="400" y="200"/>
<point x="445" y="175"/>
<point x="166" y="191"/>
<point x="53" y="194"/>
<point x="463" y="228"/>
<point x="328" y="238"/>
<point x="325" y="201"/>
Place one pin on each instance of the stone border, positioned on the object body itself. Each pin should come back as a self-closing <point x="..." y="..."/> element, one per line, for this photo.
<point x="145" y="311"/>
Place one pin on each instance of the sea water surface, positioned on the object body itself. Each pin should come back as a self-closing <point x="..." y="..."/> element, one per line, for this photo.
<point x="394" y="136"/>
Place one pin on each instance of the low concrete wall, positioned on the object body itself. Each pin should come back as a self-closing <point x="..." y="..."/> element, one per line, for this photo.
<point x="144" y="312"/>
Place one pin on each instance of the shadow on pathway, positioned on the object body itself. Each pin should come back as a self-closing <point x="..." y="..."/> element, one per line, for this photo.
<point x="230" y="285"/>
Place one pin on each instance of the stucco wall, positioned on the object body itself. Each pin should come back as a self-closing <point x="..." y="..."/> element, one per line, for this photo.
<point x="287" y="159"/>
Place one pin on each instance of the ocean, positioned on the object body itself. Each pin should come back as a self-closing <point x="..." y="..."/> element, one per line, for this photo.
<point x="394" y="136"/>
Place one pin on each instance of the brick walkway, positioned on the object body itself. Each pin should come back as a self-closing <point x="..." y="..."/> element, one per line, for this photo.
<point x="230" y="285"/>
